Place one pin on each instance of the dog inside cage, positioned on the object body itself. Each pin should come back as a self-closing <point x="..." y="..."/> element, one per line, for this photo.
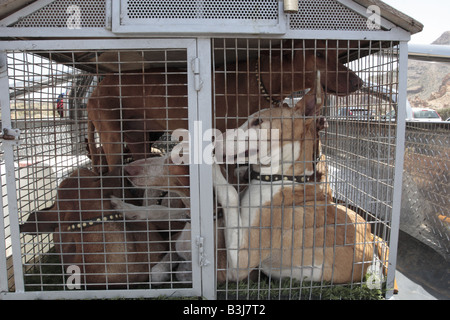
<point x="85" y="128"/>
<point x="302" y="170"/>
<point x="267" y="234"/>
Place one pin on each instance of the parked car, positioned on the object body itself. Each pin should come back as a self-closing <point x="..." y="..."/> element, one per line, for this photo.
<point x="355" y="113"/>
<point x="389" y="116"/>
<point x="425" y="114"/>
<point x="415" y="114"/>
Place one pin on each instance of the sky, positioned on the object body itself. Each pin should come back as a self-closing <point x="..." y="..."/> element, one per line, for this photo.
<point x="433" y="14"/>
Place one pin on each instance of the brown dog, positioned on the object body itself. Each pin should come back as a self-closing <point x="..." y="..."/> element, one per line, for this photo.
<point x="109" y="251"/>
<point x="125" y="108"/>
<point x="160" y="173"/>
<point x="284" y="224"/>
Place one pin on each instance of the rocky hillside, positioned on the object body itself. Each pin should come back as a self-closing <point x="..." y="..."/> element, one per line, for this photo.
<point x="429" y="83"/>
<point x="444" y="39"/>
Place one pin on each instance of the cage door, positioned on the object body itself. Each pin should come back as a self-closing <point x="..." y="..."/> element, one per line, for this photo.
<point x="49" y="155"/>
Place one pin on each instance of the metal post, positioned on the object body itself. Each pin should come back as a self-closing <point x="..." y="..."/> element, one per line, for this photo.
<point x="10" y="176"/>
<point x="3" y="266"/>
<point x="205" y="172"/>
<point x="3" y="102"/>
<point x="399" y="158"/>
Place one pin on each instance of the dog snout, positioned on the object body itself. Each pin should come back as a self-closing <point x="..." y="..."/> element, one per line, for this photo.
<point x="356" y="83"/>
<point x="133" y="170"/>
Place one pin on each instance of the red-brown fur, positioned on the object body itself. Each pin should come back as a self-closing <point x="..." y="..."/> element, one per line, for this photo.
<point x="117" y="253"/>
<point x="156" y="100"/>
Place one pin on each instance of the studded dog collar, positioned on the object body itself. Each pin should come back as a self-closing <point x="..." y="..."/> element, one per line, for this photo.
<point x="277" y="177"/>
<point x="262" y="88"/>
<point x="93" y="222"/>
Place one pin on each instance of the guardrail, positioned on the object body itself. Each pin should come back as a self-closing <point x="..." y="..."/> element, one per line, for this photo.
<point x="426" y="185"/>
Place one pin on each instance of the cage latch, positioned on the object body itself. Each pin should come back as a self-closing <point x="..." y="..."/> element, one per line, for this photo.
<point x="202" y="261"/>
<point x="10" y="134"/>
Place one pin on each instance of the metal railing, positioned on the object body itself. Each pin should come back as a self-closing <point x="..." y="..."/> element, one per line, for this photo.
<point x="426" y="180"/>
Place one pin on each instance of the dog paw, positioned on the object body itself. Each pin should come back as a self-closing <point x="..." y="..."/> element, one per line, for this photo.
<point x="121" y="207"/>
<point x="160" y="273"/>
<point x="116" y="203"/>
<point x="184" y="272"/>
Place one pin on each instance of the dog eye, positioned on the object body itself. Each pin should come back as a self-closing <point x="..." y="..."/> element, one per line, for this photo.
<point x="319" y="54"/>
<point x="256" y="122"/>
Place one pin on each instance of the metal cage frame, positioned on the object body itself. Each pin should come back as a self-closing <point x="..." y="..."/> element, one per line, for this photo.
<point x="199" y="45"/>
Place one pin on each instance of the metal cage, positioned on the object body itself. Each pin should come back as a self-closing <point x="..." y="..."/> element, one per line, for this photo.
<point x="88" y="123"/>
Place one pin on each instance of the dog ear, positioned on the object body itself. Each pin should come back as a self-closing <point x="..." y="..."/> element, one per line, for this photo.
<point x="180" y="173"/>
<point x="44" y="221"/>
<point x="179" y="179"/>
<point x="312" y="102"/>
<point x="310" y="105"/>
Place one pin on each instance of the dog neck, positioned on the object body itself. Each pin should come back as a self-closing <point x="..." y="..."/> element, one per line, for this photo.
<point x="262" y="88"/>
<point x="275" y="84"/>
<point x="283" y="169"/>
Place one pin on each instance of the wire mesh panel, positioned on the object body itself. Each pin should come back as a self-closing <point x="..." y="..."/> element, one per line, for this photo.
<point x="425" y="210"/>
<point x="223" y="10"/>
<point x="298" y="178"/>
<point x="365" y="135"/>
<point x="326" y="15"/>
<point x="65" y="13"/>
<point x="247" y="16"/>
<point x="83" y="117"/>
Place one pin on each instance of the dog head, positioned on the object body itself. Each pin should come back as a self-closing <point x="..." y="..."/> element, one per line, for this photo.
<point x="278" y="140"/>
<point x="160" y="173"/>
<point x="302" y="58"/>
<point x="82" y="196"/>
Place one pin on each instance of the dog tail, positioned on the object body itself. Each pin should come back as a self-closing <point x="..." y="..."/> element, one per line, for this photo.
<point x="383" y="253"/>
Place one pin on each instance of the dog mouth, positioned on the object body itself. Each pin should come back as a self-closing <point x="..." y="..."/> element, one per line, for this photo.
<point x="343" y="93"/>
<point x="338" y="93"/>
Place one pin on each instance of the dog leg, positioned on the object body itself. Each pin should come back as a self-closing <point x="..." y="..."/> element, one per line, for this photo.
<point x="152" y="212"/>
<point x="183" y="248"/>
<point x="228" y="197"/>
<point x="160" y="273"/>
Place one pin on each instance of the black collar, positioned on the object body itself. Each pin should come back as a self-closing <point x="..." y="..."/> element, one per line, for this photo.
<point x="277" y="177"/>
<point x="162" y="195"/>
